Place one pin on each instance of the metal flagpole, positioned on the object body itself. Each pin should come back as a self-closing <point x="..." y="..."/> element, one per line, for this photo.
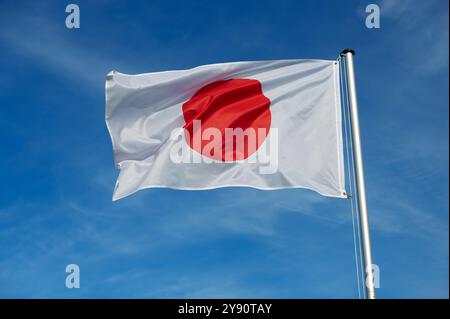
<point x="359" y="173"/>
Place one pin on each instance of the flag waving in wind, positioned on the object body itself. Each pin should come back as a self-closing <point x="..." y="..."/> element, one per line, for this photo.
<point x="264" y="124"/>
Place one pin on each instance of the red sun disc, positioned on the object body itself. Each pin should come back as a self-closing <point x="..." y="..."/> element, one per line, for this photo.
<point x="232" y="104"/>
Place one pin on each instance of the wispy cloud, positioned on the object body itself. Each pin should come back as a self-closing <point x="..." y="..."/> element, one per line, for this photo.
<point x="41" y="37"/>
<point x="425" y="51"/>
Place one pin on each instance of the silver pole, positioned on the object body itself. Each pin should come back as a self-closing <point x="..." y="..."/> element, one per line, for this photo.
<point x="359" y="173"/>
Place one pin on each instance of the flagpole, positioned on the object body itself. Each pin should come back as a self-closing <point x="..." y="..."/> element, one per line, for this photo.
<point x="359" y="173"/>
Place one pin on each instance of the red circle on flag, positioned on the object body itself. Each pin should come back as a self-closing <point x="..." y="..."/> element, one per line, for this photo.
<point x="222" y="106"/>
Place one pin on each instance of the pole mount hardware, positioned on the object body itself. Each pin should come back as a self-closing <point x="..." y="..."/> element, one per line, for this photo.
<point x="343" y="53"/>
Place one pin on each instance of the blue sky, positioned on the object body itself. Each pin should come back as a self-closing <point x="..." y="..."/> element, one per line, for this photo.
<point x="58" y="173"/>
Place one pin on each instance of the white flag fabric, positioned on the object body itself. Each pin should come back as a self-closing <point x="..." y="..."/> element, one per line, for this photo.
<point x="264" y="124"/>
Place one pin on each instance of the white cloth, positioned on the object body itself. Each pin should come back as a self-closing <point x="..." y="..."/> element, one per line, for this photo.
<point x="142" y="111"/>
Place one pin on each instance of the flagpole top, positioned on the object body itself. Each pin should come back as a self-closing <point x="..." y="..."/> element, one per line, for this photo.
<point x="348" y="51"/>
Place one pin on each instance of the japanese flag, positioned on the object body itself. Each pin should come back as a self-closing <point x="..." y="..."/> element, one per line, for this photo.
<point x="265" y="124"/>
